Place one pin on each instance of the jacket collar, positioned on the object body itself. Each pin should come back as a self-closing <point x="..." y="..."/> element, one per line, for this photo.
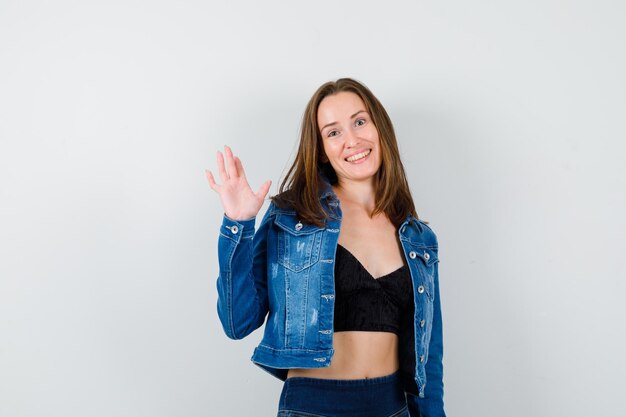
<point x="326" y="190"/>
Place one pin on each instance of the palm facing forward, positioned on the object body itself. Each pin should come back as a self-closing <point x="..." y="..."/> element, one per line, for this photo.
<point x="238" y="199"/>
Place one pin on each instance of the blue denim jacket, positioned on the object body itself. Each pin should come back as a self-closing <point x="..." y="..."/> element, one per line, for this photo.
<point x="286" y="269"/>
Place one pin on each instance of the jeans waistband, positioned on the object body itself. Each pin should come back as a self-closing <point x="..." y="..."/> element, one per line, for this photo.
<point x="387" y="379"/>
<point x="381" y="397"/>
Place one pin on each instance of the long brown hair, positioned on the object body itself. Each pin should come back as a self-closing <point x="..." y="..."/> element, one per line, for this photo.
<point x="301" y="187"/>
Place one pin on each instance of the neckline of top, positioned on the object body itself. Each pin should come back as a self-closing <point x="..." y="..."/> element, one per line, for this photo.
<point x="394" y="272"/>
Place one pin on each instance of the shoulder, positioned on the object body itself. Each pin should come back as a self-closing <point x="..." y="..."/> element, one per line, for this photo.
<point x="283" y="201"/>
<point x="419" y="232"/>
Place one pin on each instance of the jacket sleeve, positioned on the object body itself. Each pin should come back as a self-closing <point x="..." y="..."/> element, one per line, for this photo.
<point x="432" y="403"/>
<point x="242" y="300"/>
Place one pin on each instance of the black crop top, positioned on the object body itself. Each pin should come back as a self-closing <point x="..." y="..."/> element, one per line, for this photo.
<point x="363" y="302"/>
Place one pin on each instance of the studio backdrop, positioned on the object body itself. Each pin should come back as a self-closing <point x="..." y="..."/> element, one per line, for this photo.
<point x="510" y="121"/>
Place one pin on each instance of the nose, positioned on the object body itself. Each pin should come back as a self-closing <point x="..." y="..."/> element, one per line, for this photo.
<point x="352" y="139"/>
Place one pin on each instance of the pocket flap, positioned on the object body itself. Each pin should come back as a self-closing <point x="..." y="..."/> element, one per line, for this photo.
<point x="291" y="225"/>
<point x="429" y="256"/>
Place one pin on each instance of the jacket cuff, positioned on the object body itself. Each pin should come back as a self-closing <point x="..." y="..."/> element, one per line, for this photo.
<point x="237" y="229"/>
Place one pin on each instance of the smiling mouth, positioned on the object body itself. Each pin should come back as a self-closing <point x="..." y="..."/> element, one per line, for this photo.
<point x="358" y="156"/>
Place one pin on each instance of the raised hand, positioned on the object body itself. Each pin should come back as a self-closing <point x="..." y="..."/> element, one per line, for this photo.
<point x="238" y="199"/>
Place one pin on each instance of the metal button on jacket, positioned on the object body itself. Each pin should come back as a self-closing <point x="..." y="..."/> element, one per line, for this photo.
<point x="420" y="289"/>
<point x="234" y="230"/>
<point x="298" y="226"/>
<point x="426" y="256"/>
<point x="412" y="254"/>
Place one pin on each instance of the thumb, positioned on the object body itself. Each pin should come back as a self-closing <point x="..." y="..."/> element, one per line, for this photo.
<point x="265" y="187"/>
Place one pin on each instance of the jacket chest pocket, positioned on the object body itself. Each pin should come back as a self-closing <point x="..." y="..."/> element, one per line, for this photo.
<point x="298" y="243"/>
<point x="425" y="258"/>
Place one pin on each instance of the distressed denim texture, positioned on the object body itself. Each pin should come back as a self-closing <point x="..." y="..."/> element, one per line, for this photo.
<point x="283" y="275"/>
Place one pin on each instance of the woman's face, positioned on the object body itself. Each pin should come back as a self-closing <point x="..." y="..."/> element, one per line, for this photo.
<point x="349" y="137"/>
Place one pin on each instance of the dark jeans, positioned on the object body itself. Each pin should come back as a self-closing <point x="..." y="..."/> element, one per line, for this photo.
<point x="315" y="397"/>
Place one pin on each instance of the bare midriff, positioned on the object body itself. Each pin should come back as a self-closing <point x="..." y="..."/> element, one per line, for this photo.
<point x="358" y="355"/>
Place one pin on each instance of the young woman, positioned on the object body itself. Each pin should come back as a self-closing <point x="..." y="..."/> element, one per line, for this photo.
<point x="340" y="265"/>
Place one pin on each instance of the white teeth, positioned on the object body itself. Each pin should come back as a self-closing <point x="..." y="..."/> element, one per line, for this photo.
<point x="358" y="156"/>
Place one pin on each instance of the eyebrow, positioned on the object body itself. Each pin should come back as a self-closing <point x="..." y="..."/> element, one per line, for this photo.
<point x="334" y="123"/>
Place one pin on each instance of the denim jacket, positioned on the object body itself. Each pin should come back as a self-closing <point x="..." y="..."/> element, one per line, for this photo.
<point x="285" y="272"/>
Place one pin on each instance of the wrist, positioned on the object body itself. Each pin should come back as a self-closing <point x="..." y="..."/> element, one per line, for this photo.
<point x="239" y="218"/>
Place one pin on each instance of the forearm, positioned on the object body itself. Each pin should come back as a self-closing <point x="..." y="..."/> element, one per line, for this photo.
<point x="241" y="304"/>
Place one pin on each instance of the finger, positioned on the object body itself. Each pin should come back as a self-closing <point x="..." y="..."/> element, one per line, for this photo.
<point x="265" y="187"/>
<point x="231" y="168"/>
<point x="220" y="166"/>
<point x="239" y="165"/>
<point x="212" y="182"/>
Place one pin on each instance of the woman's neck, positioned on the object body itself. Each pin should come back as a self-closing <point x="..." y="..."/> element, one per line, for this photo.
<point x="358" y="193"/>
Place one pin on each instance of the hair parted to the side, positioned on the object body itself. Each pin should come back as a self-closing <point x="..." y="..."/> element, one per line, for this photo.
<point x="301" y="187"/>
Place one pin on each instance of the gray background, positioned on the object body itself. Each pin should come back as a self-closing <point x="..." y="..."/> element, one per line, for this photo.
<point x="510" y="117"/>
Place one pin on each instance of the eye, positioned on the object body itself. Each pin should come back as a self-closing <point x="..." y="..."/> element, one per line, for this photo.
<point x="332" y="133"/>
<point x="359" y="122"/>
